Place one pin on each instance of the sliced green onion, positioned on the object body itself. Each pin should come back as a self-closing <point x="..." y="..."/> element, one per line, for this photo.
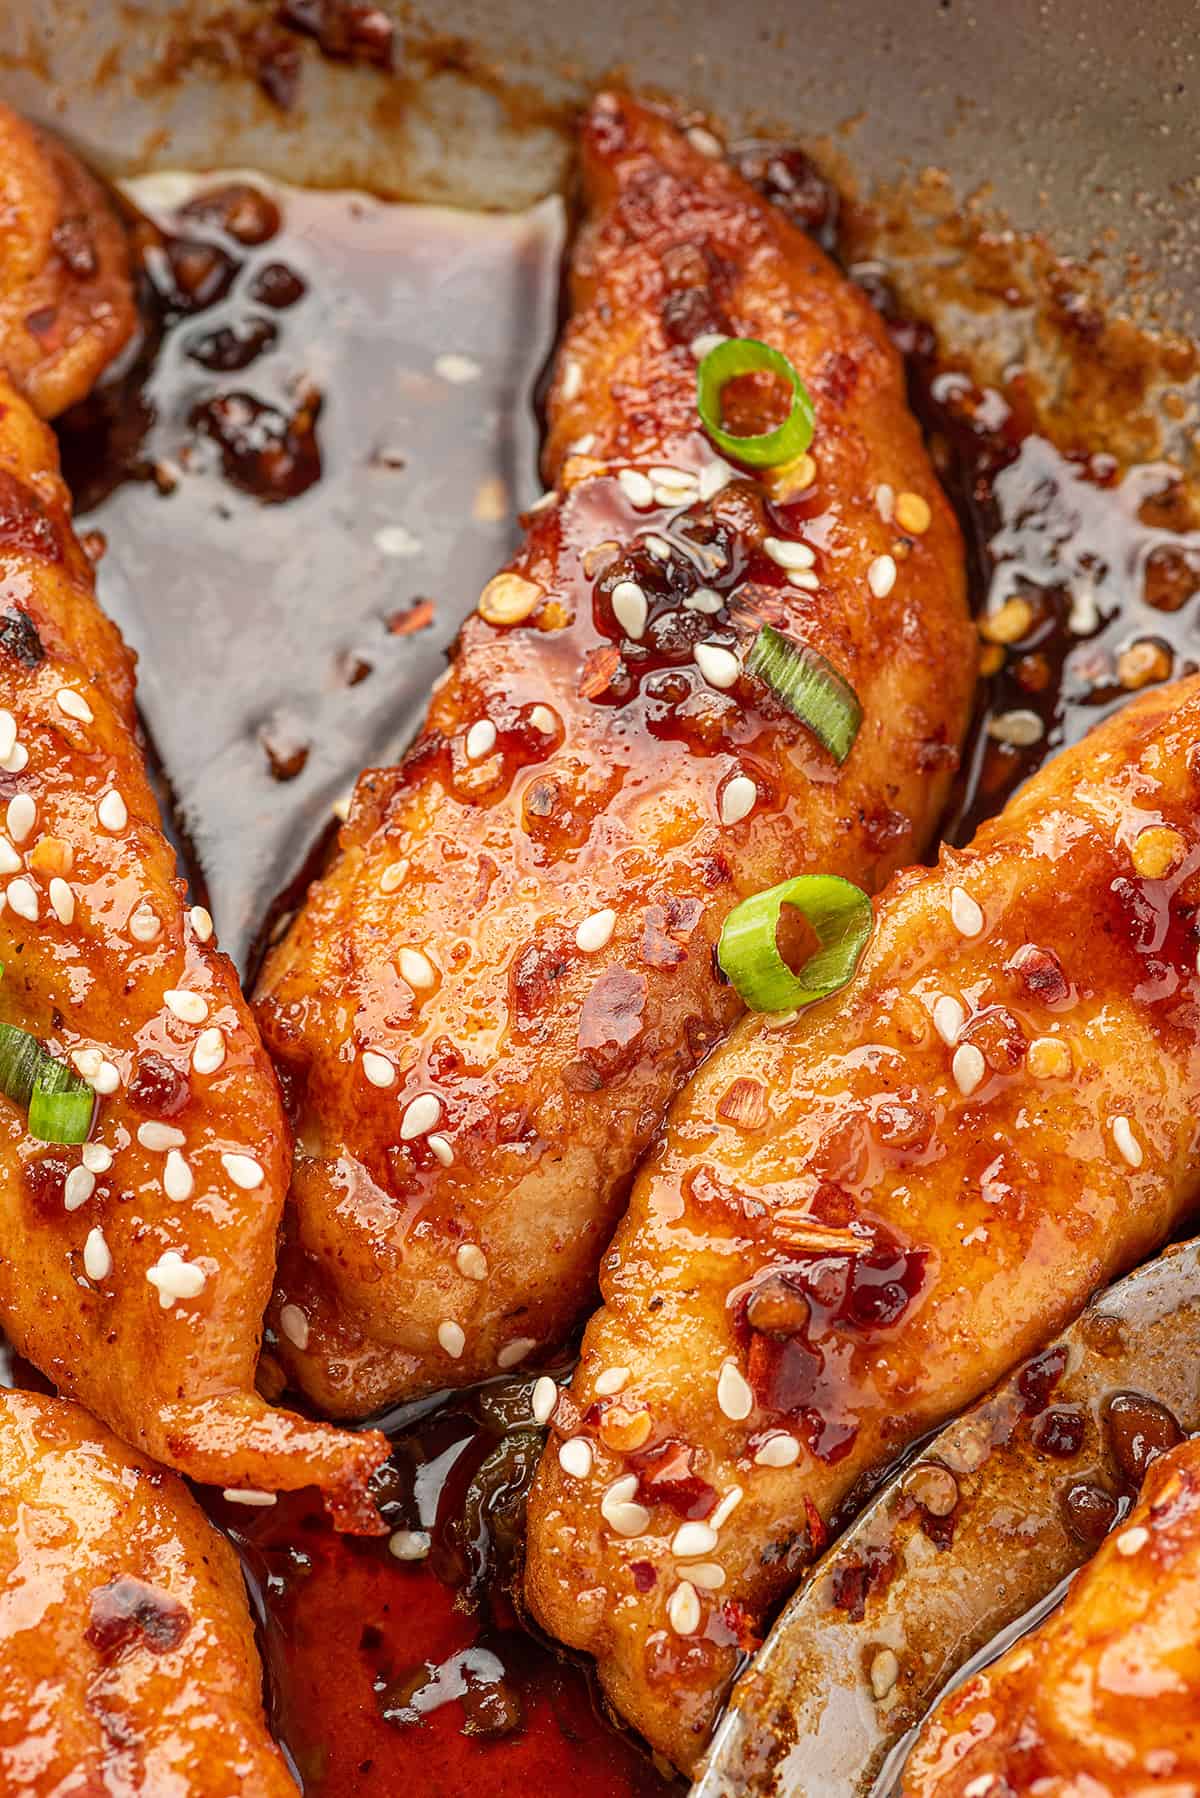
<point x="840" y="916"/>
<point x="21" y="1056"/>
<point x="746" y="356"/>
<point x="60" y="1108"/>
<point x="810" y="687"/>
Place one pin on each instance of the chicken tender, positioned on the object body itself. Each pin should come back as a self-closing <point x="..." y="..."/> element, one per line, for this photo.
<point x="127" y="1658"/>
<point x="486" y="1004"/>
<point x="924" y="1178"/>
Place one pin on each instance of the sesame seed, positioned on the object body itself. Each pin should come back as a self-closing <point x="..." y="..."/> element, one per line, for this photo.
<point x="881" y="576"/>
<point x="595" y="931"/>
<point x="481" y="739"/>
<point x="885" y="1670"/>
<point x="451" y="1337"/>
<point x="200" y="919"/>
<point x="88" y="1062"/>
<point x="779" y="1450"/>
<point x="542" y="719"/>
<point x="885" y="500"/>
<point x="913" y="514"/>
<point x="189" y="1008"/>
<point x="543" y="1399"/>
<point x="704" y="599"/>
<point x="636" y="488"/>
<point x="726" y="1508"/>
<point x="441" y="1149"/>
<point x="516" y="1351"/>
<point x="676" y="478"/>
<point x="618" y="1509"/>
<point x="1008" y="623"/>
<point x="683" y="1609"/>
<point x="705" y="343"/>
<point x="392" y="877"/>
<point x="112" y="812"/>
<point x="20" y="816"/>
<point x="144" y="924"/>
<point x="720" y="667"/>
<point x="629" y="608"/>
<point x="96" y="1157"/>
<point x="471" y="1261"/>
<point x="249" y="1495"/>
<point x="949" y="1016"/>
<point x="294" y="1325"/>
<point x="378" y="1069"/>
<point x="62" y="900"/>
<point x="409" y="1545"/>
<point x="10" y="861"/>
<point x="734" y="1393"/>
<point x="738" y="797"/>
<point x="787" y="554"/>
<point x="421" y="1115"/>
<point x="572" y="379"/>
<point x="8" y="735"/>
<point x="18" y="761"/>
<point x="22" y="896"/>
<point x="705" y="141"/>
<point x="692" y="1540"/>
<point x="707" y="1574"/>
<point x="97" y="1261"/>
<point x="612" y="1380"/>
<point x="178" y="1183"/>
<point x="78" y="1187"/>
<point x="244" y="1171"/>
<point x="582" y="446"/>
<point x="803" y="578"/>
<point x="1129" y="1541"/>
<point x="107" y="1079"/>
<point x="713" y="477"/>
<point x="968" y="1068"/>
<point x="174" y="1278"/>
<point x="966" y="914"/>
<point x="1019" y="729"/>
<point x="209" y="1051"/>
<point x="456" y="369"/>
<point x="417" y="969"/>
<point x="74" y="705"/>
<point x="1127" y="1143"/>
<point x="575" y="1457"/>
<point x="160" y="1137"/>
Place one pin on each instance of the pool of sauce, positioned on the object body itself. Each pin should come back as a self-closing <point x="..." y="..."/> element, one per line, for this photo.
<point x="305" y="474"/>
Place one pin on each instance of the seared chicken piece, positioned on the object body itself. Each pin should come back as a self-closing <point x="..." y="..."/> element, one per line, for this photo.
<point x="485" y="1006"/>
<point x="133" y="1271"/>
<point x="127" y="1659"/>
<point x="1104" y="1698"/>
<point x="66" y="298"/>
<point x="923" y="1178"/>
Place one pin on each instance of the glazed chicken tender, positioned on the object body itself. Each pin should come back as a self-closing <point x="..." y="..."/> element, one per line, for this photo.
<point x="924" y="1178"/>
<point x="1103" y="1698"/>
<point x="134" y="1269"/>
<point x="486" y="1004"/>
<point x="127" y="1659"/>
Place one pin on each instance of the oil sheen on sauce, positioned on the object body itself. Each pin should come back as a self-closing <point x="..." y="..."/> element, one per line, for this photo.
<point x="305" y="476"/>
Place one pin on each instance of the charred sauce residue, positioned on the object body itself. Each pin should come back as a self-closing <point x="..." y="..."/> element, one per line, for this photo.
<point x="412" y="1664"/>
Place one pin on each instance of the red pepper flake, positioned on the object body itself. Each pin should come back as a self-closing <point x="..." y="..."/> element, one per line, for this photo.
<point x="1040" y="973"/>
<point x="416" y="616"/>
<point x="127" y="1612"/>
<point x="644" y="1576"/>
<point x="744" y="1104"/>
<point x="599" y="671"/>
<point x="667" y="1476"/>
<point x="657" y="949"/>
<point x="610" y="1019"/>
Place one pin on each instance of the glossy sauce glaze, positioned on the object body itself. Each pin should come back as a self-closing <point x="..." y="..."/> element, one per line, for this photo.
<point x="379" y="1669"/>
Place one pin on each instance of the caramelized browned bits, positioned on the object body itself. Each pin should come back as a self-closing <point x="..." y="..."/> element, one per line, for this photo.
<point x="1089" y="1511"/>
<point x="1059" y="1431"/>
<point x="1139" y="1428"/>
<point x="243" y="211"/>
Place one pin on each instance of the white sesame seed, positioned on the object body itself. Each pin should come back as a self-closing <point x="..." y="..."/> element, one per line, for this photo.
<point x="571" y="380"/>
<point x="456" y="369"/>
<point x="18" y="761"/>
<point x="707" y="1574"/>
<point x="804" y="578"/>
<point x="481" y="739"/>
<point x="22" y="896"/>
<point x="541" y="718"/>
<point x="734" y="1393"/>
<point x="112" y="812"/>
<point x="629" y="608"/>
<point x="619" y="1510"/>
<point x="421" y="1115"/>
<point x="378" y="1069"/>
<point x="706" y="343"/>
<point x="441" y="1149"/>
<point x="144" y="923"/>
<point x="294" y="1325"/>
<point x="884" y="1672"/>
<point x="97" y="1261"/>
<point x="392" y="877"/>
<point x="96" y="1157"/>
<point x="720" y="667"/>
<point x="244" y="1171"/>
<point x="62" y="901"/>
<point x="10" y="861"/>
<point x="665" y="476"/>
<point x="74" y="705"/>
<point x="691" y="1540"/>
<point x="409" y="1545"/>
<point x="209" y="1051"/>
<point x="575" y="1457"/>
<point x="636" y="488"/>
<point x="160" y="1137"/>
<point x="178" y="1183"/>
<point x="788" y="554"/>
<point x="188" y="1007"/>
<point x="949" y="1016"/>
<point x="543" y="1399"/>
<point x="976" y="1788"/>
<point x="8" y="735"/>
<point x="1129" y="1541"/>
<point x="200" y="919"/>
<point x="174" y="1278"/>
<point x="452" y="1337"/>
<point x="516" y="1351"/>
<point x="1127" y="1143"/>
<point x="705" y="141"/>
<point x="881" y="576"/>
<point x="107" y="1079"/>
<point x="726" y="1508"/>
<point x="20" y="816"/>
<point x="713" y="477"/>
<point x="704" y="599"/>
<point x="582" y="446"/>
<point x="595" y="931"/>
<point x="777" y="1450"/>
<point x="249" y="1495"/>
<point x="683" y="1609"/>
<point x="738" y="797"/>
<point x="78" y="1187"/>
<point x="885" y="501"/>
<point x="968" y="1068"/>
<point x="612" y="1380"/>
<point x="471" y="1261"/>
<point x="1019" y="729"/>
<point x="417" y="969"/>
<point x="88" y="1062"/>
<point x="966" y="914"/>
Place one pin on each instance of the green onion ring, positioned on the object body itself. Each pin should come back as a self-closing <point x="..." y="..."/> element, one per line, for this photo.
<point x="746" y="356"/>
<point x="810" y="687"/>
<point x="840" y="915"/>
<point x="61" y="1105"/>
<point x="21" y="1057"/>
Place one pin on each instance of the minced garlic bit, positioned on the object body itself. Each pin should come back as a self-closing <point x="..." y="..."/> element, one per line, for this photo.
<point x="1158" y="851"/>
<point x="1008" y="623"/>
<point x="913" y="514"/>
<point x="508" y="598"/>
<point x="1048" y="1058"/>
